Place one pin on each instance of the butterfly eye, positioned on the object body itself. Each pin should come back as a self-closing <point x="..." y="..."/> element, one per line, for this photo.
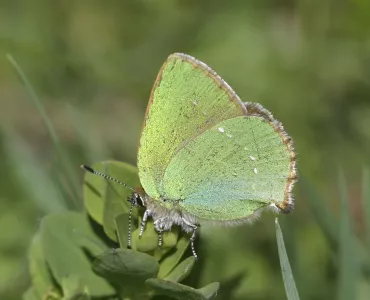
<point x="136" y="200"/>
<point x="139" y="200"/>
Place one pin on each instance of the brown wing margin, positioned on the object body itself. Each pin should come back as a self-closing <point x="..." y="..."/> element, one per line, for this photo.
<point x="255" y="109"/>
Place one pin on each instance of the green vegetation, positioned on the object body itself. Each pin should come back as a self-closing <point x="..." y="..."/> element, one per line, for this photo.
<point x="89" y="68"/>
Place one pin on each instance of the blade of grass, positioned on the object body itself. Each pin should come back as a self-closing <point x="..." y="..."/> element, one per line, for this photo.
<point x="37" y="182"/>
<point x="366" y="202"/>
<point x="70" y="175"/>
<point x="91" y="142"/>
<point x="329" y="224"/>
<point x="348" y="261"/>
<point x="321" y="211"/>
<point x="289" y="283"/>
<point x="289" y="242"/>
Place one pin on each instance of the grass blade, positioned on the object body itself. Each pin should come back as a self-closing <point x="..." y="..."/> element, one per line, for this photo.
<point x="329" y="224"/>
<point x="289" y="283"/>
<point x="70" y="175"/>
<point x="348" y="260"/>
<point x="94" y="147"/>
<point x="37" y="182"/>
<point x="321" y="211"/>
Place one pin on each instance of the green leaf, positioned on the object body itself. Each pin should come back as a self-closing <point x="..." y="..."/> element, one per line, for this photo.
<point x="289" y="283"/>
<point x="170" y="261"/>
<point x="79" y="296"/>
<point x="170" y="239"/>
<point x="51" y="294"/>
<point x="348" y="266"/>
<point x="41" y="278"/>
<point x="116" y="195"/>
<point x="31" y="294"/>
<point x="148" y="242"/>
<point x="127" y="269"/>
<point x="210" y="291"/>
<point x="68" y="170"/>
<point x="63" y="237"/>
<point x="121" y="222"/>
<point x="73" y="289"/>
<point x="183" y="292"/>
<point x="104" y="199"/>
<point x="182" y="270"/>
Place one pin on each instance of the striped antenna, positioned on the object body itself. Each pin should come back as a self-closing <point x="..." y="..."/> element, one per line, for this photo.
<point x="91" y="170"/>
<point x="129" y="227"/>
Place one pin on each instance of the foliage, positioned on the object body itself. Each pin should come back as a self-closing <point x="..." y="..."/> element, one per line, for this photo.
<point x="93" y="63"/>
<point x="69" y="260"/>
<point x="60" y="268"/>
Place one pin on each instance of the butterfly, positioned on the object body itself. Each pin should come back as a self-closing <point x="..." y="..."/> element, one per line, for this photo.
<point x="207" y="157"/>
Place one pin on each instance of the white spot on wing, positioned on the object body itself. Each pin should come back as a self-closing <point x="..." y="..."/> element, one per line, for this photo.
<point x="255" y="171"/>
<point x="252" y="157"/>
<point x="220" y="129"/>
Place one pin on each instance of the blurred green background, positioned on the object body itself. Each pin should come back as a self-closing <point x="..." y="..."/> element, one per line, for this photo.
<point x="93" y="63"/>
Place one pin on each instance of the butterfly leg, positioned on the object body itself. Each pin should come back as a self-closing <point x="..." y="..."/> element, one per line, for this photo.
<point x="192" y="239"/>
<point x="161" y="225"/>
<point x="160" y="239"/>
<point x="143" y="222"/>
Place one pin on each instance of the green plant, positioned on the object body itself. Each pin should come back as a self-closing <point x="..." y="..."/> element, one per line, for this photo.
<point x="69" y="260"/>
<point x="83" y="255"/>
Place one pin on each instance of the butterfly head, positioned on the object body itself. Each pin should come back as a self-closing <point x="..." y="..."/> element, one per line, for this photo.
<point x="137" y="198"/>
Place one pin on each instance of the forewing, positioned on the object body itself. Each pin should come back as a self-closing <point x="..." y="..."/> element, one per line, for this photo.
<point x="233" y="169"/>
<point x="187" y="99"/>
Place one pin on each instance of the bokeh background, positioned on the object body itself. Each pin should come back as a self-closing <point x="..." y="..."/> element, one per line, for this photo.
<point x="93" y="63"/>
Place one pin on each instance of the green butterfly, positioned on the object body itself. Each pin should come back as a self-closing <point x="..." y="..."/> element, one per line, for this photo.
<point x="205" y="156"/>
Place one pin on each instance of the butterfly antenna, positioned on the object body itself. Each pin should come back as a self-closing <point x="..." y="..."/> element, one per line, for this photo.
<point x="129" y="227"/>
<point x="91" y="170"/>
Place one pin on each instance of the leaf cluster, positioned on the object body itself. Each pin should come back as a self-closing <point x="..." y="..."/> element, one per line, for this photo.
<point x="74" y="255"/>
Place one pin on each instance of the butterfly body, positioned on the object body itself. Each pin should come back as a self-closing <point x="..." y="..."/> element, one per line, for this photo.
<point x="166" y="214"/>
<point x="205" y="156"/>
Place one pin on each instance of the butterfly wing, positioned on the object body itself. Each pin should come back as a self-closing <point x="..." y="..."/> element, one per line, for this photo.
<point x="209" y="153"/>
<point x="188" y="98"/>
<point x="233" y="169"/>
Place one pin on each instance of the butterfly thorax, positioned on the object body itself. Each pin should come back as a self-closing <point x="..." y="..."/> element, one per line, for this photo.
<point x="165" y="213"/>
